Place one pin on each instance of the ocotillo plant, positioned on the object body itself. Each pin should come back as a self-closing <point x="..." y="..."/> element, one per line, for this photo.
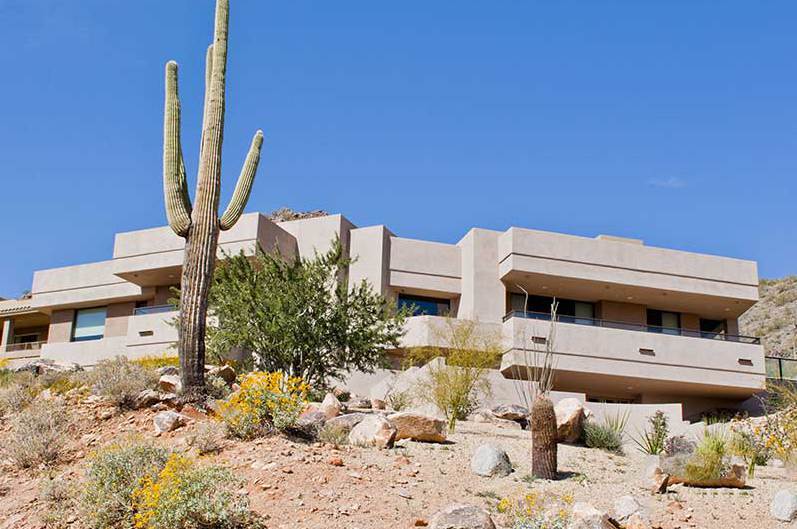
<point x="199" y="224"/>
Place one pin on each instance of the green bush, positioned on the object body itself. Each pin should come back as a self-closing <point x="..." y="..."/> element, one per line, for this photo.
<point x="185" y="495"/>
<point x="38" y="434"/>
<point x="113" y="474"/>
<point x="708" y="461"/>
<point x="607" y="435"/>
<point x="120" y="380"/>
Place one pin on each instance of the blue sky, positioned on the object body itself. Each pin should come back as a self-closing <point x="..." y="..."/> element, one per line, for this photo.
<point x="675" y="121"/>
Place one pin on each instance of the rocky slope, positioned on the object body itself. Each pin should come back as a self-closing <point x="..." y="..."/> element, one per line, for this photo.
<point x="774" y="318"/>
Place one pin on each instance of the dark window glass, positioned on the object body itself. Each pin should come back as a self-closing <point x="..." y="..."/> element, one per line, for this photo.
<point x="712" y="328"/>
<point x="568" y="311"/>
<point x="664" y="322"/>
<point x="89" y="324"/>
<point x="421" y="306"/>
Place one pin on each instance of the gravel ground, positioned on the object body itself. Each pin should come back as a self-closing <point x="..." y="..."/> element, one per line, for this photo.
<point x="302" y="485"/>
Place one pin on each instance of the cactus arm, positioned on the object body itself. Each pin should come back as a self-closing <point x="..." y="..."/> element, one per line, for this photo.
<point x="175" y="187"/>
<point x="244" y="185"/>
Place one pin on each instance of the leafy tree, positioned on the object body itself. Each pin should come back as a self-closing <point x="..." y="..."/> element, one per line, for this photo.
<point x="301" y="316"/>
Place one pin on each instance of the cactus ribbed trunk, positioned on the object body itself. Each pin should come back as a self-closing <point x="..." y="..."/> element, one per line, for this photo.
<point x="200" y="224"/>
<point x="543" y="438"/>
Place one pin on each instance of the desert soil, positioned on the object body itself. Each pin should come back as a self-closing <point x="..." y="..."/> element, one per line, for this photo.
<point x="296" y="485"/>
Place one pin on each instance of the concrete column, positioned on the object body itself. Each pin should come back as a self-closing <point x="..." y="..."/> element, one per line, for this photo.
<point x="483" y="294"/>
<point x="370" y="248"/>
<point x="8" y="332"/>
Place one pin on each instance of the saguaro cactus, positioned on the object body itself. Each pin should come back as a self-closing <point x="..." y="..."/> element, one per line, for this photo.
<point x="543" y="438"/>
<point x="200" y="224"/>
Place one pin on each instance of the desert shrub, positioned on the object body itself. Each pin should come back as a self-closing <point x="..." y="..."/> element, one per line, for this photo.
<point x="153" y="362"/>
<point x="265" y="400"/>
<point x="184" y="495"/>
<point x="652" y="439"/>
<point x="678" y="444"/>
<point x="208" y="437"/>
<point x="779" y="431"/>
<point x="120" y="380"/>
<point x="708" y="460"/>
<point x="216" y="387"/>
<point x="537" y="510"/>
<point x="608" y="434"/>
<point x="455" y="384"/>
<point x="61" y="382"/>
<point x="399" y="400"/>
<point x="38" y="434"/>
<point x="334" y="435"/>
<point x="746" y="442"/>
<point x="59" y="495"/>
<point x="18" y="393"/>
<point x="112" y="475"/>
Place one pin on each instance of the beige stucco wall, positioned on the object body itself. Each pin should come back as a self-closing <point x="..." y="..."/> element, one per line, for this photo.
<point x="624" y="312"/>
<point x="483" y="294"/>
<point x="116" y="318"/>
<point x="370" y="249"/>
<point x="61" y="326"/>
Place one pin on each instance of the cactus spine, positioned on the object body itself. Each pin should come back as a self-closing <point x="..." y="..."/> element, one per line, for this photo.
<point x="200" y="224"/>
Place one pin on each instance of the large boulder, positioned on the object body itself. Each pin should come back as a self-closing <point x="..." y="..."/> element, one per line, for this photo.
<point x="170" y="384"/>
<point x="784" y="505"/>
<point x="418" y="427"/>
<point x="655" y="479"/>
<point x="310" y="422"/>
<point x="166" y="421"/>
<point x="330" y="406"/>
<point x="490" y="460"/>
<point x="569" y="420"/>
<point x="145" y="399"/>
<point x="461" y="516"/>
<point x="626" y="507"/>
<point x="373" y="430"/>
<point x="346" y="421"/>
<point x="42" y="366"/>
<point x="511" y="412"/>
<point x="585" y="516"/>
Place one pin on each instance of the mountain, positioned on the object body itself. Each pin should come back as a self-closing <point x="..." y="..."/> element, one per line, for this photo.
<point x="774" y="317"/>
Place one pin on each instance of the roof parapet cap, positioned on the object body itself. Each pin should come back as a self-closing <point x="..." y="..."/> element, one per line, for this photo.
<point x="615" y="238"/>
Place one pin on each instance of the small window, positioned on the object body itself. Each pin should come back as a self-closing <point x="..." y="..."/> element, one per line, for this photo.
<point x="714" y="329"/>
<point x="664" y="322"/>
<point x="423" y="306"/>
<point x="89" y="324"/>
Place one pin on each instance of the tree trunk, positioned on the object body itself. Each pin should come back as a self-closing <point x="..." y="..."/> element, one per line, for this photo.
<point x="543" y="438"/>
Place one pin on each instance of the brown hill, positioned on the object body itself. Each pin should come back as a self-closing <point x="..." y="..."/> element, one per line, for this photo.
<point x="774" y="318"/>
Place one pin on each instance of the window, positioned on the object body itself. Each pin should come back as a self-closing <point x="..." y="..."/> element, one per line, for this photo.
<point x="664" y="322"/>
<point x="89" y="324"/>
<point x="425" y="306"/>
<point x="569" y="311"/>
<point x="712" y="329"/>
<point x="26" y="338"/>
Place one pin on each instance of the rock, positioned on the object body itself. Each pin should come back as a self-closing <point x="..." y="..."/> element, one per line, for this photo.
<point x="489" y="460"/>
<point x="335" y="461"/>
<point x="331" y="406"/>
<point x="625" y="507"/>
<point x="511" y="412"/>
<point x="637" y="521"/>
<point x="167" y="370"/>
<point x="486" y="416"/>
<point x="145" y="399"/>
<point x="41" y="366"/>
<point x="655" y="479"/>
<point x="784" y="505"/>
<point x="225" y="372"/>
<point x="461" y="516"/>
<point x="410" y="425"/>
<point x="569" y="420"/>
<point x="378" y="404"/>
<point x="346" y="422"/>
<point x="373" y="430"/>
<point x="311" y="421"/>
<point x="585" y="516"/>
<point x="359" y="402"/>
<point x="167" y="421"/>
<point x="170" y="384"/>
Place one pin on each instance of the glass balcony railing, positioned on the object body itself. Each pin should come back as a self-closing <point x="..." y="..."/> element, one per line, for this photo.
<point x="155" y="309"/>
<point x="628" y="326"/>
<point x="781" y="368"/>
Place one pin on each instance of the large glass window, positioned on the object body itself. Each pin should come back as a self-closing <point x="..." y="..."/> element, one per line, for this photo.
<point x="421" y="305"/>
<point x="569" y="311"/>
<point x="664" y="322"/>
<point x="89" y="324"/>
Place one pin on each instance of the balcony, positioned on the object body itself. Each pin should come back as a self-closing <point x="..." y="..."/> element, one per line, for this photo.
<point x="781" y="368"/>
<point x="626" y="360"/>
<point x="628" y="326"/>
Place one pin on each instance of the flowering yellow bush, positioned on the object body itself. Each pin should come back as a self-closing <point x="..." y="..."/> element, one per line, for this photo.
<point x="536" y="510"/>
<point x="265" y="400"/>
<point x="156" y="361"/>
<point x="185" y="495"/>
